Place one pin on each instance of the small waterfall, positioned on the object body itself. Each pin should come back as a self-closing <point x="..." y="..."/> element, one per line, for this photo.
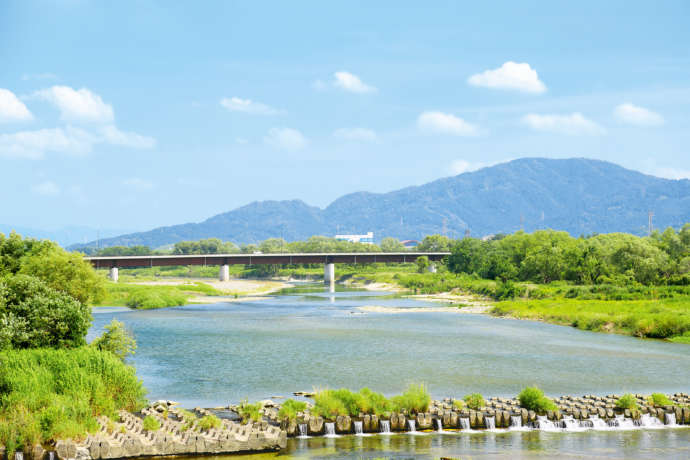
<point x="516" y="421"/>
<point x="597" y="423"/>
<point x="302" y="427"/>
<point x="647" y="421"/>
<point x="490" y="423"/>
<point x="330" y="429"/>
<point x="51" y="455"/>
<point x="439" y="424"/>
<point x="569" y="423"/>
<point x="358" y="427"/>
<point x="465" y="423"/>
<point x="543" y="423"/>
<point x="622" y="423"/>
<point x="385" y="426"/>
<point x="19" y="456"/>
<point x="411" y="426"/>
<point x="670" y="419"/>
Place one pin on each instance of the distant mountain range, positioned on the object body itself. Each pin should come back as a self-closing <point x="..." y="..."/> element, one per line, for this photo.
<point x="580" y="196"/>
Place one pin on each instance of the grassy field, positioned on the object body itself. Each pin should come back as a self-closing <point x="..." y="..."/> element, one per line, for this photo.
<point x="152" y="296"/>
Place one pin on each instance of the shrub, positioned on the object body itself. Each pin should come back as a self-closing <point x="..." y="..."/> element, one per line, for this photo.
<point x="659" y="399"/>
<point x="290" y="408"/>
<point x="56" y="394"/>
<point x="117" y="340"/>
<point x="415" y="399"/>
<point x="474" y="401"/>
<point x="250" y="412"/>
<point x="186" y="416"/>
<point x="459" y="404"/>
<point x="328" y="405"/>
<point x="209" y="421"/>
<point x="148" y="299"/>
<point x="151" y="423"/>
<point x="532" y="398"/>
<point x="373" y="403"/>
<point x="628" y="401"/>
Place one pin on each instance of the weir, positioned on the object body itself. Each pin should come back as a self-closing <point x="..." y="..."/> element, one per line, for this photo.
<point x="385" y="426"/>
<point x="330" y="429"/>
<point x="357" y="426"/>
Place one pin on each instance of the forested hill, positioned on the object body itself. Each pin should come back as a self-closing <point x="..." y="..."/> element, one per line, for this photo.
<point x="580" y="196"/>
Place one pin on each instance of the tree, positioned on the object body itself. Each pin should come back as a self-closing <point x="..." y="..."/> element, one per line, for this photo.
<point x="422" y="264"/>
<point x="117" y="340"/>
<point x="435" y="243"/>
<point x="34" y="315"/>
<point x="392" y="245"/>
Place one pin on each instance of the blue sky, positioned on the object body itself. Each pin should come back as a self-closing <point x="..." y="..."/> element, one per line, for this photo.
<point x="139" y="114"/>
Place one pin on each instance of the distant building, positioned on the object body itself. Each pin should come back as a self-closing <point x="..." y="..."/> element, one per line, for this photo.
<point x="410" y="244"/>
<point x="366" y="239"/>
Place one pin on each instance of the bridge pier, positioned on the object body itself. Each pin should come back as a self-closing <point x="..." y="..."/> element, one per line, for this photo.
<point x="113" y="274"/>
<point x="432" y="268"/>
<point x="329" y="274"/>
<point x="224" y="273"/>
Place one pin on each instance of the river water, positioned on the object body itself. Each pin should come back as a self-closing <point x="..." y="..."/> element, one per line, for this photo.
<point x="213" y="355"/>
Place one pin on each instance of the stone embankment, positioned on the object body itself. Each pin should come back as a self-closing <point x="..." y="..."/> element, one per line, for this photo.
<point x="177" y="435"/>
<point x="583" y="412"/>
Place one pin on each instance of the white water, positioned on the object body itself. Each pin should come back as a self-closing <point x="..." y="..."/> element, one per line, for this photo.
<point x="670" y="419"/>
<point x="302" y="427"/>
<point x="597" y="423"/>
<point x="412" y="426"/>
<point x="385" y="427"/>
<point x="51" y="455"/>
<point x="647" y="421"/>
<point x="330" y="430"/>
<point x="516" y="423"/>
<point x="545" y="424"/>
<point x="570" y="424"/>
<point x="465" y="423"/>
<point x="622" y="423"/>
<point x="358" y="428"/>
<point x="19" y="456"/>
<point x="490" y="423"/>
<point x="439" y="424"/>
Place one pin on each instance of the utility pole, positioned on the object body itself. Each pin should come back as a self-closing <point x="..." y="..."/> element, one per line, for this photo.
<point x="650" y="215"/>
<point x="445" y="226"/>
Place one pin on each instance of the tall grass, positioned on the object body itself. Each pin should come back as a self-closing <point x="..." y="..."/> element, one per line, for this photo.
<point x="532" y="398"/>
<point x="47" y="394"/>
<point x="331" y="403"/>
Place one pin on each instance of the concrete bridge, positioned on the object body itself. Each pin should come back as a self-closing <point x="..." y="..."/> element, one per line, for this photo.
<point x="114" y="263"/>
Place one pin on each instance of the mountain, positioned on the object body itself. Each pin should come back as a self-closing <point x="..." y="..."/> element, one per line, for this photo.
<point x="580" y="196"/>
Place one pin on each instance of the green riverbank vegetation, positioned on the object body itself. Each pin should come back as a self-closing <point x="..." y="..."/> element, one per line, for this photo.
<point x="52" y="384"/>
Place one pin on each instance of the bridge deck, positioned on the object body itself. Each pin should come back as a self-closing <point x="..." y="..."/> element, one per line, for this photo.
<point x="260" y="259"/>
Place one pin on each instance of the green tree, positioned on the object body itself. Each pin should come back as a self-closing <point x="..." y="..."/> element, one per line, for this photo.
<point x="422" y="264"/>
<point x="435" y="243"/>
<point x="390" y="244"/>
<point x="117" y="340"/>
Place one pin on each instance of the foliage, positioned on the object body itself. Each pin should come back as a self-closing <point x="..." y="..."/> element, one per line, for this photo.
<point x="49" y="394"/>
<point x="392" y="245"/>
<point x="459" y="404"/>
<point x="151" y="423"/>
<point x="532" y="398"/>
<point x="34" y="315"/>
<point x="290" y="408"/>
<point x="250" y="412"/>
<point x="186" y="416"/>
<point x="659" y="400"/>
<point x="123" y="251"/>
<point x="474" y="401"/>
<point x="117" y="340"/>
<point x="148" y="299"/>
<point x="422" y="264"/>
<point x="208" y="422"/>
<point x="628" y="401"/>
<point x="435" y="243"/>
<point x="207" y="246"/>
<point x="415" y="399"/>
<point x="327" y="404"/>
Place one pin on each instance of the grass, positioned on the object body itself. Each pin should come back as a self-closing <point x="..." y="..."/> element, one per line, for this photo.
<point x="48" y="394"/>
<point x="290" y="408"/>
<point x="208" y="422"/>
<point x="250" y="412"/>
<point x="659" y="400"/>
<point x="667" y="318"/>
<point x="532" y="398"/>
<point x="474" y="401"/>
<point x="152" y="296"/>
<point x="151" y="423"/>
<point x="331" y="403"/>
<point x="628" y="401"/>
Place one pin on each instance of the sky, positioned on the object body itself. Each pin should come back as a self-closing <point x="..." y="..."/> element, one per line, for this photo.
<point x="134" y="114"/>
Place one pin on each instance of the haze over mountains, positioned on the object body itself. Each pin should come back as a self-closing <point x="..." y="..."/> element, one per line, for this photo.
<point x="580" y="196"/>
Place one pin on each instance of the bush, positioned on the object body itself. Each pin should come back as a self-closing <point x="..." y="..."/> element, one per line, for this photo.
<point x="659" y="400"/>
<point x="117" y="340"/>
<point x="415" y="399"/>
<point x="146" y="299"/>
<point x="48" y="394"/>
<point x="290" y="408"/>
<point x="373" y="403"/>
<point x="628" y="401"/>
<point x="34" y="315"/>
<point x="209" y="421"/>
<point x="328" y="405"/>
<point x="151" y="423"/>
<point x="474" y="401"/>
<point x="532" y="398"/>
<point x="250" y="412"/>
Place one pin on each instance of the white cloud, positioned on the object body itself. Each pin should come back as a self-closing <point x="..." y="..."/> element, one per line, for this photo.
<point x="636" y="115"/>
<point x="236" y="104"/>
<point x="69" y="140"/>
<point x="47" y="188"/>
<point x="286" y="138"/>
<point x="112" y="135"/>
<point x="138" y="183"/>
<point x="445" y="123"/>
<point x="355" y="134"/>
<point x="511" y="75"/>
<point x="77" y="105"/>
<point x="11" y="108"/>
<point x="572" y="124"/>
<point x="351" y="82"/>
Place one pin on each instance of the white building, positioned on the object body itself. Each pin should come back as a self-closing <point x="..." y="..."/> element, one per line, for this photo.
<point x="367" y="239"/>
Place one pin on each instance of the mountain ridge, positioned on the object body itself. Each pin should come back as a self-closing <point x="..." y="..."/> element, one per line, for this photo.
<point x="578" y="195"/>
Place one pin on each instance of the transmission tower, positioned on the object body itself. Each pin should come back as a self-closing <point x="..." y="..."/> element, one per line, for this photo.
<point x="650" y="215"/>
